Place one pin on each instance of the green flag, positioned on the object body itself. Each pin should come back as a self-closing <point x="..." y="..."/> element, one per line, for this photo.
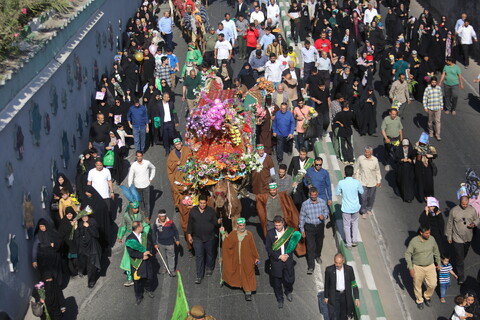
<point x="181" y="305"/>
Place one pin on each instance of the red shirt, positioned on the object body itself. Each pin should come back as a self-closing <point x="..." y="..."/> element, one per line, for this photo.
<point x="251" y="37"/>
<point x="323" y="45"/>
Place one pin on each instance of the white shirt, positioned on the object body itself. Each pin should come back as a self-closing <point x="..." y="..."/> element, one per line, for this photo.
<point x="459" y="311"/>
<point x="302" y="163"/>
<point x="467" y="34"/>
<point x="279" y="234"/>
<point x="99" y="180"/>
<point x="340" y="279"/>
<point x="259" y="16"/>
<point x="140" y="174"/>
<point x="324" y="64"/>
<point x="139" y="237"/>
<point x="273" y="12"/>
<point x="230" y="25"/>
<point x="284" y="62"/>
<point x="273" y="71"/>
<point x="166" y="111"/>
<point x="369" y="15"/>
<point x="223" y="49"/>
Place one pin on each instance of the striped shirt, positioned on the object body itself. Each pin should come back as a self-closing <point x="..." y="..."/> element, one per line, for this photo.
<point x="444" y="273"/>
<point x="311" y="211"/>
<point x="433" y="98"/>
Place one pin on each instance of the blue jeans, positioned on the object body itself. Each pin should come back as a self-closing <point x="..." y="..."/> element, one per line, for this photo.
<point x="301" y="141"/>
<point x="139" y="136"/>
<point x="168" y="37"/>
<point x="283" y="145"/>
<point x="204" y="255"/>
<point x="443" y="289"/>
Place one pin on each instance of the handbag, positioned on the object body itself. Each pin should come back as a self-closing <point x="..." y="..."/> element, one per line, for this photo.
<point x="109" y="158"/>
<point x="54" y="205"/>
<point x="310" y="132"/>
<point x="37" y="308"/>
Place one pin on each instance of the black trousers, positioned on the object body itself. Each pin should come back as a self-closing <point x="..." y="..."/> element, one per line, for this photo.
<point x="314" y="235"/>
<point x="168" y="133"/>
<point x="347" y="148"/>
<point x="144" y="194"/>
<point x="85" y="264"/>
<point x="338" y="311"/>
<point x="140" y="286"/>
<point x="466" y="53"/>
<point x="461" y="251"/>
<point x="284" y="284"/>
<point x="204" y="255"/>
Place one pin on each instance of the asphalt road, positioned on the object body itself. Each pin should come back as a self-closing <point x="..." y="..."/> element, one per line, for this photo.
<point x="111" y="300"/>
<point x="398" y="221"/>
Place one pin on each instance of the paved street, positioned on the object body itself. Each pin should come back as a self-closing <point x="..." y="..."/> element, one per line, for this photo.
<point x="385" y="236"/>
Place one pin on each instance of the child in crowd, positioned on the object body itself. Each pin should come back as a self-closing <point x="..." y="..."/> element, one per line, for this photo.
<point x="444" y="277"/>
<point x="459" y="312"/>
<point x="65" y="201"/>
<point x="122" y="146"/>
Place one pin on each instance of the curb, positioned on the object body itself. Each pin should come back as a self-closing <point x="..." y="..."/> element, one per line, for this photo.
<point x="363" y="270"/>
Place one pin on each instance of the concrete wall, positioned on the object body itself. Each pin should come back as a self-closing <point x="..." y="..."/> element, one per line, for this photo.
<point x="453" y="9"/>
<point x="34" y="170"/>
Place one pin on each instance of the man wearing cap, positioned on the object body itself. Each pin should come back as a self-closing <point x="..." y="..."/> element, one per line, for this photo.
<point x="282" y="272"/>
<point x="239" y="257"/>
<point x="132" y="214"/>
<point x="313" y="216"/>
<point x="261" y="179"/>
<point x="197" y="312"/>
<point x="178" y="157"/>
<point x="139" y="248"/>
<point x="459" y="231"/>
<point x="280" y="204"/>
<point x="165" y="237"/>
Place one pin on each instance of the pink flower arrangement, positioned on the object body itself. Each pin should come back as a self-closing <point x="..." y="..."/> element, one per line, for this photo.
<point x="24" y="10"/>
<point x="15" y="35"/>
<point x="39" y="285"/>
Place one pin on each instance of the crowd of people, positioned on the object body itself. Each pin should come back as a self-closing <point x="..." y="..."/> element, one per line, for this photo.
<point x="328" y="89"/>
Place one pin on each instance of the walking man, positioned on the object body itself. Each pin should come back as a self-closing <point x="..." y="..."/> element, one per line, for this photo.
<point x="421" y="254"/>
<point x="452" y="79"/>
<point x="392" y="132"/>
<point x="283" y="129"/>
<point x="137" y="117"/>
<point x="467" y="36"/>
<point x="340" y="289"/>
<point x="201" y="234"/>
<point x="139" y="248"/>
<point x="461" y="222"/>
<point x="165" y="237"/>
<point x="433" y="105"/>
<point x="313" y="215"/>
<point x="349" y="188"/>
<point x="141" y="175"/>
<point x="320" y="179"/>
<point x="282" y="272"/>
<point x="239" y="257"/>
<point x="165" y="26"/>
<point x="367" y="171"/>
<point x="399" y="93"/>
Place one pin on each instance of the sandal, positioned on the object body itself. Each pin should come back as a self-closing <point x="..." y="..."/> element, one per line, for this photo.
<point x="442" y="300"/>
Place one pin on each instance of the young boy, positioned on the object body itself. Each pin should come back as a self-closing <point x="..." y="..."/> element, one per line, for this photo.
<point x="122" y="144"/>
<point x="444" y="277"/>
<point x="459" y="311"/>
<point x="293" y="56"/>
<point x="165" y="236"/>
<point x="65" y="201"/>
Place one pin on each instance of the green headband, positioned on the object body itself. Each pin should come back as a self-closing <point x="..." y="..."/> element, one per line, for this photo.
<point x="260" y="147"/>
<point x="177" y="140"/>
<point x="134" y="204"/>
<point x="272" y="185"/>
<point x="241" y="221"/>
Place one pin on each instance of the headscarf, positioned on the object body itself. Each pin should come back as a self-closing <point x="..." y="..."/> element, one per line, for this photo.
<point x="65" y="185"/>
<point x="47" y="237"/>
<point x="473" y="182"/>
